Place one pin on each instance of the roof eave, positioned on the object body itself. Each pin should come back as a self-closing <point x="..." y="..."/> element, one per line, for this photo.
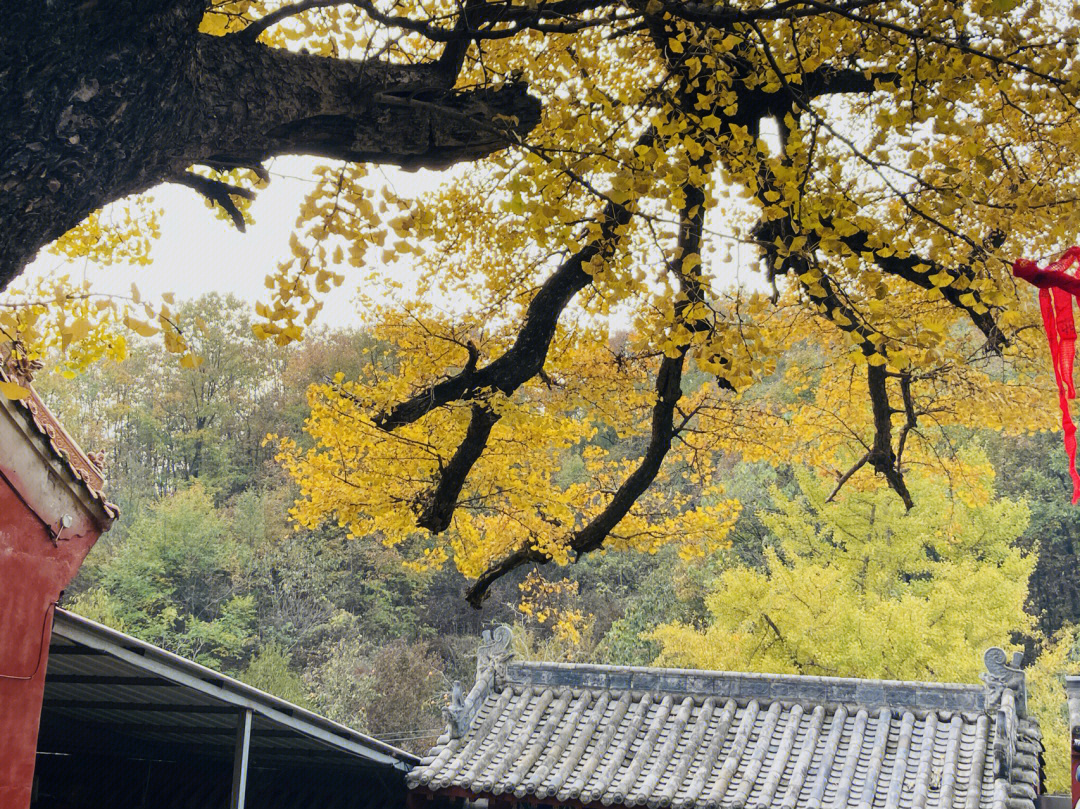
<point x="186" y="672"/>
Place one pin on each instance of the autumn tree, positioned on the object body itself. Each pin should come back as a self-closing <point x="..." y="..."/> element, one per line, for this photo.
<point x="576" y="339"/>
<point x="160" y="424"/>
<point x="169" y="581"/>
<point x="864" y="588"/>
<point x="878" y="163"/>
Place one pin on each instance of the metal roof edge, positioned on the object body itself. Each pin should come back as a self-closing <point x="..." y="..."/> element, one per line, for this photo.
<point x="173" y="667"/>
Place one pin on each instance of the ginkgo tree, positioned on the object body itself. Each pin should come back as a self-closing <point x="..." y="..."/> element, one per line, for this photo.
<point x="878" y="163"/>
<point x="863" y="588"/>
<point x="576" y="339"/>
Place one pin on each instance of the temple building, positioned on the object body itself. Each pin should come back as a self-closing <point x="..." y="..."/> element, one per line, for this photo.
<point x="554" y="734"/>
<point x="52" y="511"/>
<point x="91" y="718"/>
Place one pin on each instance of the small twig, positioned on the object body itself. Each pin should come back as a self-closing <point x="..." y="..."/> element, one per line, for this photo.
<point x="217" y="192"/>
<point x="844" y="478"/>
<point x="252" y="32"/>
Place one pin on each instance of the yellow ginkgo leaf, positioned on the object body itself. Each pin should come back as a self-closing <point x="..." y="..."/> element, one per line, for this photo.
<point x="13" y="390"/>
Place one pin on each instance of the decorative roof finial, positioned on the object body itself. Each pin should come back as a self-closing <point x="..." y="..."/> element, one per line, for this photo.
<point x="491" y="659"/>
<point x="1001" y="674"/>
<point x="1006" y="694"/>
<point x="494" y="651"/>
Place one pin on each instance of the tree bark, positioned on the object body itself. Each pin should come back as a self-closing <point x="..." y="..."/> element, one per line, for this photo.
<point x="108" y="98"/>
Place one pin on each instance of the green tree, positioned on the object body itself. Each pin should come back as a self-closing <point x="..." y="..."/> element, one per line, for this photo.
<point x="1034" y="467"/>
<point x="171" y="581"/>
<point x="271" y="670"/>
<point x="394" y="691"/>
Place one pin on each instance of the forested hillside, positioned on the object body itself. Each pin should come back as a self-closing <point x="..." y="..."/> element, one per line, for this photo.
<point x="206" y="560"/>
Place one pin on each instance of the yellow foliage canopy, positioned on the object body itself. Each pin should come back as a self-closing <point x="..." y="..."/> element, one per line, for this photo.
<point x="579" y="361"/>
<point x="863" y="588"/>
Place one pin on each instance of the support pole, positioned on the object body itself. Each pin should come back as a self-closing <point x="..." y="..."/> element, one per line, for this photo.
<point x="240" y="760"/>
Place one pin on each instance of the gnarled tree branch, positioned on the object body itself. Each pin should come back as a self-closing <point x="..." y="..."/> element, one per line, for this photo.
<point x="592" y="536"/>
<point x="662" y="429"/>
<point x="135" y="106"/>
<point x="526" y="357"/>
<point x="435" y="508"/>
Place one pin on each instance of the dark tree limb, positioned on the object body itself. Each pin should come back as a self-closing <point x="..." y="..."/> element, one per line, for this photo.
<point x="106" y="99"/>
<point x="880" y="454"/>
<point x="911" y="418"/>
<point x="907" y="269"/>
<point x="859" y="242"/>
<point x="724" y="16"/>
<point x="355" y="111"/>
<point x="592" y="535"/>
<point x="435" y="507"/>
<point x="252" y="32"/>
<point x="522" y="361"/>
<point x="218" y="193"/>
<point x="844" y="478"/>
<point x="662" y="429"/>
<point x="224" y="163"/>
<point x="526" y="357"/>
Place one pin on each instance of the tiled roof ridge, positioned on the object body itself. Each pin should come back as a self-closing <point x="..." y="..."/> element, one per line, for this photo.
<point x="65" y="449"/>
<point x="748" y="685"/>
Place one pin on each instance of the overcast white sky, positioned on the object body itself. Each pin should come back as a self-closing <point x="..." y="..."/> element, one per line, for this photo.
<point x="198" y="252"/>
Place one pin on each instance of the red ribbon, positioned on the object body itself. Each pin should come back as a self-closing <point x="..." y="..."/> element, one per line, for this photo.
<point x="1056" y="292"/>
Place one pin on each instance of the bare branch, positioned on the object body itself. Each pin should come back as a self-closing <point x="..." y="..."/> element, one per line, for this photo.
<point x="844" y="478"/>
<point x="252" y="32"/>
<point x="217" y="192"/>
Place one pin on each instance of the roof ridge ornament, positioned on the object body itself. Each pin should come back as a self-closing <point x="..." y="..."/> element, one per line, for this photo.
<point x="1001" y="674"/>
<point x="494" y="651"/>
<point x="491" y="659"/>
<point x="1006" y="694"/>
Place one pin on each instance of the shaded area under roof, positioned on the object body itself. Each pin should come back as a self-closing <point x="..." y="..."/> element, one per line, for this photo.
<point x="121" y="714"/>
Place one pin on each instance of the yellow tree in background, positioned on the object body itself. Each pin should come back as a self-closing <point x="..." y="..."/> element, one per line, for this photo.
<point x="863" y="588"/>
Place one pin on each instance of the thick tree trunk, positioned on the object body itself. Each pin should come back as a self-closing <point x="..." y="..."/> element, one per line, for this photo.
<point x="108" y="98"/>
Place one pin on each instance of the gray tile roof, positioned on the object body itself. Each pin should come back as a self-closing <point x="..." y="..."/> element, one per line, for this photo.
<point x="559" y="733"/>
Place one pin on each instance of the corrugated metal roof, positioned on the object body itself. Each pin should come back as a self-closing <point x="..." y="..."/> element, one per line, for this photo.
<point x="102" y="684"/>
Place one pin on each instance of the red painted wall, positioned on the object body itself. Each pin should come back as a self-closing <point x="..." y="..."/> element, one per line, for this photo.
<point x="1075" y="772"/>
<point x="33" y="571"/>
